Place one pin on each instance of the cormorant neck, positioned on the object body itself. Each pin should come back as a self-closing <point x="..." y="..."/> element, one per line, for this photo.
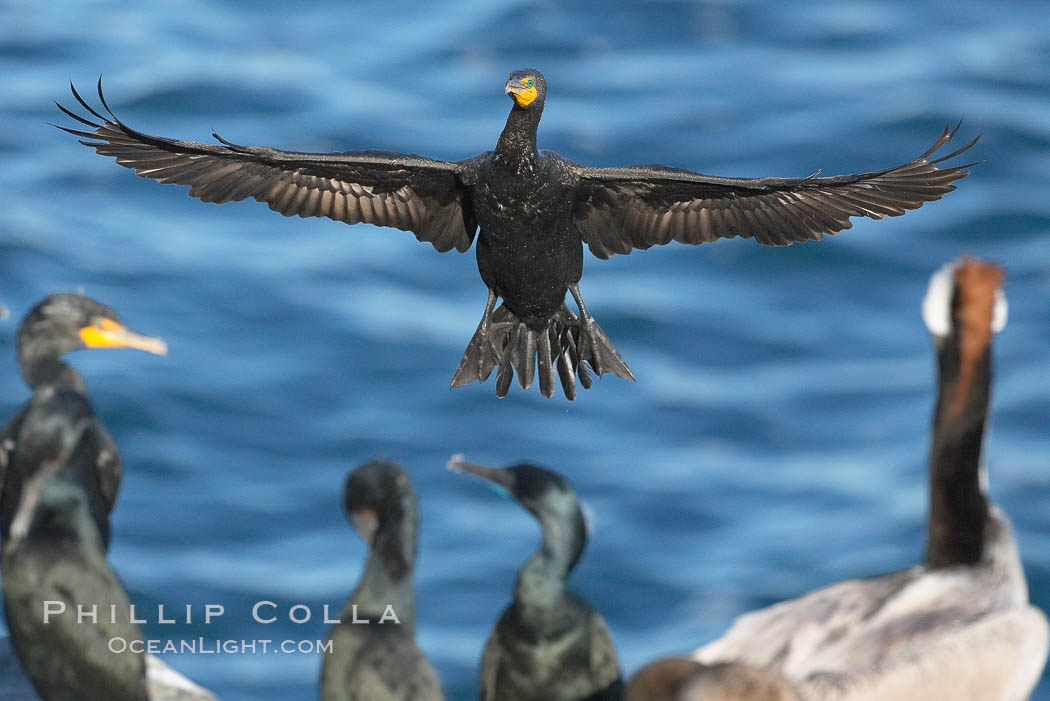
<point x="387" y="579"/>
<point x="959" y="508"/>
<point x="541" y="579"/>
<point x="49" y="371"/>
<point x="517" y="144"/>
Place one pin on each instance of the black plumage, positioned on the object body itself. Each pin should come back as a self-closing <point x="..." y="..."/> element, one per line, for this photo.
<point x="380" y="661"/>
<point x="549" y="644"/>
<point x="54" y="560"/>
<point x="535" y="210"/>
<point x="60" y="324"/>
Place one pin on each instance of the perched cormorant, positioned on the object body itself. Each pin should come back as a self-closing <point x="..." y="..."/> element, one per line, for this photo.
<point x="163" y="682"/>
<point x="64" y="605"/>
<point x="59" y="324"/>
<point x="535" y="211"/>
<point x="549" y="644"/>
<point x="679" y="679"/>
<point x="959" y="626"/>
<point x="380" y="661"/>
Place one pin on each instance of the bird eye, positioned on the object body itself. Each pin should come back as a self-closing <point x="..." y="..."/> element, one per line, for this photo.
<point x="530" y="82"/>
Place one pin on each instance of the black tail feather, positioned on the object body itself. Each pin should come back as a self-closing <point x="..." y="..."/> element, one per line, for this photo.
<point x="563" y="353"/>
<point x="566" y="374"/>
<point x="547" y="367"/>
<point x="596" y="349"/>
<point x="503" y="379"/>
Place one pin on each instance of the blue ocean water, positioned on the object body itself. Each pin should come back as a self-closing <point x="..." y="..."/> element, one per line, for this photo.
<point x="775" y="439"/>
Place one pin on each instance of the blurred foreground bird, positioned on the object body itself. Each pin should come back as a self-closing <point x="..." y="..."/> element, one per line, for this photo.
<point x="959" y="626"/>
<point x="60" y="324"/>
<point x="535" y="211"/>
<point x="380" y="661"/>
<point x="549" y="644"/>
<point x="54" y="564"/>
<point x="679" y="679"/>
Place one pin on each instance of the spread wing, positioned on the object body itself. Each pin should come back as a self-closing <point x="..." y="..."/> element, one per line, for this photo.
<point x="618" y="209"/>
<point x="404" y="191"/>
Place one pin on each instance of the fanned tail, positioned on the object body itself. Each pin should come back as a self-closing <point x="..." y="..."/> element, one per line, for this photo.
<point x="565" y="351"/>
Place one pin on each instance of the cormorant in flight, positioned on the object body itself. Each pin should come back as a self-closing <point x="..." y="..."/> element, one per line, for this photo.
<point x="534" y="209"/>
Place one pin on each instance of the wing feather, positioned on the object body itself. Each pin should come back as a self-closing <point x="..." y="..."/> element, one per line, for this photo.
<point x="620" y="209"/>
<point x="403" y="191"/>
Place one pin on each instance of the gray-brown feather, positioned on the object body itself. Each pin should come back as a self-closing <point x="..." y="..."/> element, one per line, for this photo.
<point x="402" y="191"/>
<point x="866" y="633"/>
<point x="998" y="658"/>
<point x="620" y="209"/>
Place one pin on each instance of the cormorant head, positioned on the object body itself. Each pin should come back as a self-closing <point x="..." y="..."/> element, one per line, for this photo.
<point x="55" y="460"/>
<point x="527" y="88"/>
<point x="544" y="493"/>
<point x="61" y="323"/>
<point x="381" y="505"/>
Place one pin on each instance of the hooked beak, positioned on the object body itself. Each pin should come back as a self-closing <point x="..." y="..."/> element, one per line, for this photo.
<point x="522" y="95"/>
<point x="496" y="475"/>
<point x="106" y="333"/>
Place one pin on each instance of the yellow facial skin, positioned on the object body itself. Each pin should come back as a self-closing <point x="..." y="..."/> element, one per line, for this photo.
<point x="106" y="333"/>
<point x="524" y="93"/>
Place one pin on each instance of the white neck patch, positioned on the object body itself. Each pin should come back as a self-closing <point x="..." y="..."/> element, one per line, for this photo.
<point x="1000" y="312"/>
<point x="937" y="305"/>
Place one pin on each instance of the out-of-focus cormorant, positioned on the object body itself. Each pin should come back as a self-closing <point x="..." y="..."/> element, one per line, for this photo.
<point x="59" y="324"/>
<point x="959" y="626"/>
<point x="54" y="566"/>
<point x="380" y="661"/>
<point x="680" y="679"/>
<point x="549" y="644"/>
<point x="535" y="211"/>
